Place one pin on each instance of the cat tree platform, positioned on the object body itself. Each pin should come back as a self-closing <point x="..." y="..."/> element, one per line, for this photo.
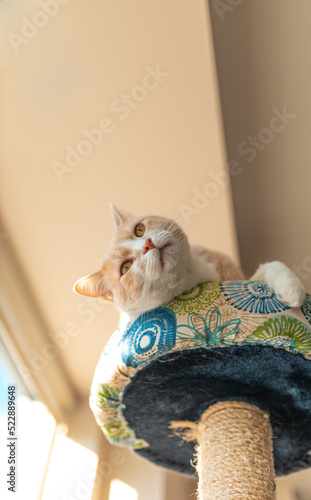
<point x="228" y="364"/>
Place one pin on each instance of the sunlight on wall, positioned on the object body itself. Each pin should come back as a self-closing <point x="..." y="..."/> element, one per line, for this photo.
<point x="119" y="490"/>
<point x="72" y="470"/>
<point x="35" y="430"/>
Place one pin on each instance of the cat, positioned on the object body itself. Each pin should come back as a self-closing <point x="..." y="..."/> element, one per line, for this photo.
<point x="149" y="262"/>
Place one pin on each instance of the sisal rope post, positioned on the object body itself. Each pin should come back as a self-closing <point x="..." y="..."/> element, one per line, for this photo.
<point x="234" y="452"/>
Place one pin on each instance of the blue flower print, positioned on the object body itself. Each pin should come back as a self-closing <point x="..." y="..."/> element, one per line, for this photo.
<point x="208" y="331"/>
<point x="252" y="296"/>
<point x="152" y="334"/>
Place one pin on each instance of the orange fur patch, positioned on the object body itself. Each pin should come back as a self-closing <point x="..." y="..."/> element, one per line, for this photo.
<point x="225" y="267"/>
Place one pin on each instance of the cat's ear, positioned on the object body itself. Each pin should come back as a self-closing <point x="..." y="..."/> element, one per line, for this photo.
<point x="118" y="216"/>
<point x="94" y="285"/>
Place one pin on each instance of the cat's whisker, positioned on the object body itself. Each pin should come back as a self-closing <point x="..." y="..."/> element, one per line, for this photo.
<point x="176" y="219"/>
<point x="203" y="214"/>
<point x="169" y="212"/>
<point x="144" y="297"/>
<point x="194" y="225"/>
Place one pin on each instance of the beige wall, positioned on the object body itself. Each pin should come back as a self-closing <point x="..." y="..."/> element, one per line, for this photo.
<point x="263" y="58"/>
<point x="158" y="149"/>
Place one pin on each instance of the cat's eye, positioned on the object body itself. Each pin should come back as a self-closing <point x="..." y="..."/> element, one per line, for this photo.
<point x="126" y="266"/>
<point x="140" y="230"/>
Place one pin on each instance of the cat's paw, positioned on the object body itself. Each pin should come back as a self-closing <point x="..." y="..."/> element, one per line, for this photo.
<point x="289" y="290"/>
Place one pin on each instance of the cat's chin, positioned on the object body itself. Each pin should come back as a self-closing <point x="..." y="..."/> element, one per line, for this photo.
<point x="159" y="261"/>
<point x="163" y="291"/>
<point x="164" y="251"/>
<point x="155" y="264"/>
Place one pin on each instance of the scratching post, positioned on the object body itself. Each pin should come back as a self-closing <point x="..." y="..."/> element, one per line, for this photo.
<point x="227" y="364"/>
<point x="234" y="452"/>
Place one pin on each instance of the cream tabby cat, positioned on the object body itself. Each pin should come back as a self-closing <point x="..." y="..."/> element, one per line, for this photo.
<point x="149" y="262"/>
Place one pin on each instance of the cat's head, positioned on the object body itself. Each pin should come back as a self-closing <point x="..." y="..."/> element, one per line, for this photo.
<point x="145" y="265"/>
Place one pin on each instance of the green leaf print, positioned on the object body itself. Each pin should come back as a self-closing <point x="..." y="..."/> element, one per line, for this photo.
<point x="196" y="299"/>
<point x="284" y="328"/>
<point x="116" y="430"/>
<point x="108" y="397"/>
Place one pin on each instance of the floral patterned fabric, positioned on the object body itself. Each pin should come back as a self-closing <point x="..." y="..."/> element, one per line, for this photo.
<point x="210" y="315"/>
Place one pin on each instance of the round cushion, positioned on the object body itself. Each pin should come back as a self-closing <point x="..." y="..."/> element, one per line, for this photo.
<point x="220" y="341"/>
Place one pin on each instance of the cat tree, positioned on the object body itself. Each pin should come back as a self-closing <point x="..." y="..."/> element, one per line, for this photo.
<point x="227" y="365"/>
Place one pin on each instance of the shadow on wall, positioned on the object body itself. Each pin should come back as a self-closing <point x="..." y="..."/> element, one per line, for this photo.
<point x="264" y="86"/>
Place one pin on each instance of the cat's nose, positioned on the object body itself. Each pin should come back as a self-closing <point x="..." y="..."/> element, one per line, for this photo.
<point x="148" y="245"/>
